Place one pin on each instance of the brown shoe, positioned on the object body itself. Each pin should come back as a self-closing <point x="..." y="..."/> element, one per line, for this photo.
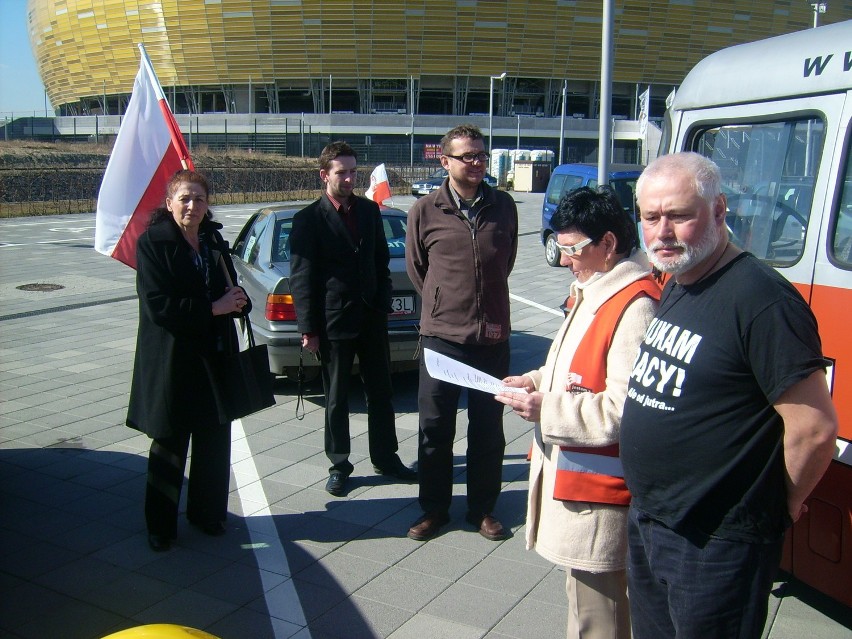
<point x="488" y="526"/>
<point x="428" y="525"/>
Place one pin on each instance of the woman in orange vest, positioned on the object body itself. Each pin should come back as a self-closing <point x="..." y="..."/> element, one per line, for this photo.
<point x="577" y="503"/>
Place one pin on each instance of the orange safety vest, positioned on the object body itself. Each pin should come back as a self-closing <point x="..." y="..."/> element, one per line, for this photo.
<point x="594" y="474"/>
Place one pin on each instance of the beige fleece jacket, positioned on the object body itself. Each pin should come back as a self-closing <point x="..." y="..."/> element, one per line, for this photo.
<point x="585" y="536"/>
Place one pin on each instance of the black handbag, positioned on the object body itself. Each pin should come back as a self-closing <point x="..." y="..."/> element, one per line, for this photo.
<point x="242" y="383"/>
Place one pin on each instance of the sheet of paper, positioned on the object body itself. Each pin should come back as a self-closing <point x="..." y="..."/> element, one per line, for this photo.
<point x="450" y="370"/>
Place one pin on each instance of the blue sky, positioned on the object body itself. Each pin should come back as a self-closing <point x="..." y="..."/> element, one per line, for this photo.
<point x="21" y="88"/>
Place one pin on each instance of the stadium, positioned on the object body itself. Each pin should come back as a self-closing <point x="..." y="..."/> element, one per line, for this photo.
<point x="389" y="72"/>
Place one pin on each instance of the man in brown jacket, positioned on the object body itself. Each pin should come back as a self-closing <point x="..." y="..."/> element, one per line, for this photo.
<point x="460" y="248"/>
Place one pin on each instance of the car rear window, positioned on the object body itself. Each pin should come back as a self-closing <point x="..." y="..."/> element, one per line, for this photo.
<point x="625" y="189"/>
<point x="560" y="185"/>
<point x="395" y="234"/>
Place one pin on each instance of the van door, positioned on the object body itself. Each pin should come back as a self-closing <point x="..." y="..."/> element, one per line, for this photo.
<point x="773" y="157"/>
<point x="831" y="298"/>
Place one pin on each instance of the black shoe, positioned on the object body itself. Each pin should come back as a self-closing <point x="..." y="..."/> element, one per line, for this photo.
<point x="396" y="469"/>
<point x="336" y="484"/>
<point x="159" y="543"/>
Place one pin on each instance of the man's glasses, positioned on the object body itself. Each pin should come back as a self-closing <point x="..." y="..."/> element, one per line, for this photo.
<point x="469" y="158"/>
<point x="572" y="249"/>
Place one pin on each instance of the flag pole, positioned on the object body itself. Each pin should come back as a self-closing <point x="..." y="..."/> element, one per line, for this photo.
<point x="177" y="137"/>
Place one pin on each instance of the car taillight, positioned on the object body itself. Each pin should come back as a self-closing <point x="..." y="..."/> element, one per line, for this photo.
<point x="280" y="307"/>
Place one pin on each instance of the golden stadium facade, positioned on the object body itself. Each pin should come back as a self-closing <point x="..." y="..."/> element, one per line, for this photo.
<point x="380" y="56"/>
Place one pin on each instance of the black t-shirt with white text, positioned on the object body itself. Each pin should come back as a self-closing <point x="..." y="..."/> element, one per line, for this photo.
<point x="701" y="443"/>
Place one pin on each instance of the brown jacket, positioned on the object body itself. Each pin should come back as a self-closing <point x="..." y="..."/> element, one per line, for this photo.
<point x="461" y="268"/>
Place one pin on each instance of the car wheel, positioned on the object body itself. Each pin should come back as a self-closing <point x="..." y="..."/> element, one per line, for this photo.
<point x="551" y="252"/>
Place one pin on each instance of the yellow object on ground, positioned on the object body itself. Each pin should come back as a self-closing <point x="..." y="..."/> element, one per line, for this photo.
<point x="161" y="631"/>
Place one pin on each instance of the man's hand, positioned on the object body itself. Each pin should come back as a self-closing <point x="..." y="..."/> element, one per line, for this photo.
<point x="810" y="437"/>
<point x="310" y="343"/>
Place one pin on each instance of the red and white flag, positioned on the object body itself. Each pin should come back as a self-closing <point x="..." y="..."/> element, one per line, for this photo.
<point x="148" y="150"/>
<point x="379" y="190"/>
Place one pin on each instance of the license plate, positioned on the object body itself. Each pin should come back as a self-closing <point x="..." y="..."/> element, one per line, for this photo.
<point x="402" y="305"/>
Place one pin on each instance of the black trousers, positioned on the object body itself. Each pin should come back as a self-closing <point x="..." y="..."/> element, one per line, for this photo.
<point x="438" y="404"/>
<point x="209" y="478"/>
<point x="337" y="357"/>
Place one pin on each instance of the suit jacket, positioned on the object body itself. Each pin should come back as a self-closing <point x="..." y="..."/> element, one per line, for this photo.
<point x="336" y="282"/>
<point x="176" y="330"/>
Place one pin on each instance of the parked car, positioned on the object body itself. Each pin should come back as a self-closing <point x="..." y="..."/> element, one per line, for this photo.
<point x="434" y="181"/>
<point x="261" y="255"/>
<point x="567" y="177"/>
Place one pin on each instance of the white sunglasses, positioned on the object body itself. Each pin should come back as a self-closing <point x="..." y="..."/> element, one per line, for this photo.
<point x="572" y="249"/>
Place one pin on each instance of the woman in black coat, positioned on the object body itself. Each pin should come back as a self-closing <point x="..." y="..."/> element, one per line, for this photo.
<point x="186" y="312"/>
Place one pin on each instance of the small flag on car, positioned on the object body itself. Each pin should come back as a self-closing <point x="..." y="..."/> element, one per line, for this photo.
<point x="379" y="190"/>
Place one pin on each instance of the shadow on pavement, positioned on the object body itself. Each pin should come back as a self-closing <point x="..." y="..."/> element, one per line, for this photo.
<point x="74" y="560"/>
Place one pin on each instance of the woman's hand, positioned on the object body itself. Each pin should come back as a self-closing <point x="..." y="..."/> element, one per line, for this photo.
<point x="525" y="405"/>
<point x="522" y="381"/>
<point x="232" y="301"/>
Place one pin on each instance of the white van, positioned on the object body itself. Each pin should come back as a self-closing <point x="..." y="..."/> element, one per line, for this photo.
<point x="776" y="116"/>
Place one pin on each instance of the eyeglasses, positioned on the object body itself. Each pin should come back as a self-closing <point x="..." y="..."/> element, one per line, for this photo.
<point x="570" y="250"/>
<point x="469" y="158"/>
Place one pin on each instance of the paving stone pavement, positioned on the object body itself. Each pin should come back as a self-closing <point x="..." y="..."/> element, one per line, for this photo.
<point x="295" y="562"/>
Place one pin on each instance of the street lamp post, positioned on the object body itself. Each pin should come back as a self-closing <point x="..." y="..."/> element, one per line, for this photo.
<point x="562" y="119"/>
<point x="818" y="7"/>
<point x="491" y="79"/>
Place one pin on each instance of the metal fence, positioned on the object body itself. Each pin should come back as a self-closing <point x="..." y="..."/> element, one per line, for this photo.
<point x="50" y="191"/>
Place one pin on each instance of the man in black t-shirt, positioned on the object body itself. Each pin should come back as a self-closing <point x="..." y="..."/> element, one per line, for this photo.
<point x="728" y="424"/>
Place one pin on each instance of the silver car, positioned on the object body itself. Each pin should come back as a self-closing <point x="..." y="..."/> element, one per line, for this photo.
<point x="261" y="255"/>
<point x="434" y="182"/>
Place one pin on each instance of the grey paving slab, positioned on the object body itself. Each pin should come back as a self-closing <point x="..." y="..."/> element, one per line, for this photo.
<point x="295" y="562"/>
<point x="425" y="625"/>
<point x="360" y="617"/>
<point x="405" y="589"/>
<point x="473" y="606"/>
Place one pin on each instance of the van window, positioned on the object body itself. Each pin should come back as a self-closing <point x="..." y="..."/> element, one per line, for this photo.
<point x="768" y="173"/>
<point x="560" y="184"/>
<point x="841" y="236"/>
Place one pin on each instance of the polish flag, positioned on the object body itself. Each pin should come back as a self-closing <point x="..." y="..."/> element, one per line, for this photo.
<point x="148" y="150"/>
<point x="379" y="190"/>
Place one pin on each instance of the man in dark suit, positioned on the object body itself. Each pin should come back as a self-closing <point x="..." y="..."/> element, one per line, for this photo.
<point x="341" y="287"/>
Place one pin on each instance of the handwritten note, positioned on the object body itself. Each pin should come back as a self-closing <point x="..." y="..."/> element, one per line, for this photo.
<point x="450" y="370"/>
